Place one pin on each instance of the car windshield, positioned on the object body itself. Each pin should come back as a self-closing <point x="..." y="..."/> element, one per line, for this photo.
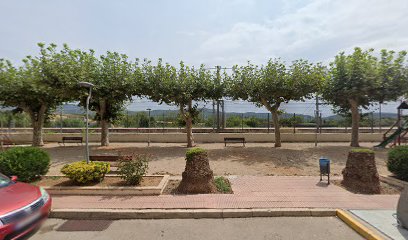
<point x="4" y="181"/>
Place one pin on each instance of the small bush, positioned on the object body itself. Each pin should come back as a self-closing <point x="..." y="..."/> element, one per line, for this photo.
<point x="223" y="185"/>
<point x="193" y="152"/>
<point x="398" y="162"/>
<point x="84" y="173"/>
<point x="362" y="150"/>
<point x="133" y="171"/>
<point x="28" y="163"/>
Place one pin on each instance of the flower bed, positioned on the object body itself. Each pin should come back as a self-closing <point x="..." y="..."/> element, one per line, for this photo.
<point x="111" y="185"/>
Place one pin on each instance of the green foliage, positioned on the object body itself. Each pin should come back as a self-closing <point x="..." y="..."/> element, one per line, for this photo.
<point x="28" y="163"/>
<point x="362" y="150"/>
<point x="68" y="123"/>
<point x="358" y="79"/>
<point x="191" y="153"/>
<point x="223" y="185"/>
<point x="392" y="76"/>
<point x="179" y="87"/>
<point x="13" y="119"/>
<point x="398" y="161"/>
<point x="274" y="84"/>
<point x="84" y="173"/>
<point x="133" y="171"/>
<point x="352" y="77"/>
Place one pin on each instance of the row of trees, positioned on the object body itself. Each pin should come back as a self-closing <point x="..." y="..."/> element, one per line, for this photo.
<point x="46" y="81"/>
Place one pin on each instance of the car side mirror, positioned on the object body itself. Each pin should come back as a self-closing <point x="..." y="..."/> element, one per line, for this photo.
<point x="14" y="178"/>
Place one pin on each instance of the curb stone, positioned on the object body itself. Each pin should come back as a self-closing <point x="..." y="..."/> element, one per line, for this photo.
<point x="116" y="214"/>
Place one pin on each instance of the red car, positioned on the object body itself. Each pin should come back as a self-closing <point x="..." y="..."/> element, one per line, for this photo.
<point x="23" y="207"/>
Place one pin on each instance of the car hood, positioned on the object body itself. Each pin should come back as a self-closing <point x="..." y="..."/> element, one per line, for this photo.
<point x="17" y="195"/>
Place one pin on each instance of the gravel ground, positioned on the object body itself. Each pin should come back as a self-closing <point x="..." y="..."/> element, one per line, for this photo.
<point x="295" y="159"/>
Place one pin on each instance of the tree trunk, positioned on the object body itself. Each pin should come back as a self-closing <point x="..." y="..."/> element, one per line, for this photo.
<point x="355" y="122"/>
<point x="104" y="133"/>
<point x="37" y="123"/>
<point x="37" y="133"/>
<point x="189" y="130"/>
<point x="104" y="123"/>
<point x="188" y="118"/>
<point x="275" y="118"/>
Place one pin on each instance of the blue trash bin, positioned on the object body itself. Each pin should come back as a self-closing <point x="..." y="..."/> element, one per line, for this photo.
<point x="324" y="164"/>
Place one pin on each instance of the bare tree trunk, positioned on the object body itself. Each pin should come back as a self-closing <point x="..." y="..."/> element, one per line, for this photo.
<point x="188" y="118"/>
<point x="355" y="122"/>
<point x="104" y="133"/>
<point x="189" y="130"/>
<point x="275" y="118"/>
<point x="37" y="133"/>
<point x="37" y="122"/>
<point x="104" y="124"/>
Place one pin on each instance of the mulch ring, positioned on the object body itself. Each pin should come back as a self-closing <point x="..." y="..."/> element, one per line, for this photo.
<point x="386" y="188"/>
<point x="150" y="181"/>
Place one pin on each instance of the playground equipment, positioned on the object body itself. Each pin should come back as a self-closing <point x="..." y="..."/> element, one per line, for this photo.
<point x="396" y="134"/>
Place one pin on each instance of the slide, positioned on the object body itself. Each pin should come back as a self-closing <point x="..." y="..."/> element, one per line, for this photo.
<point x="392" y="137"/>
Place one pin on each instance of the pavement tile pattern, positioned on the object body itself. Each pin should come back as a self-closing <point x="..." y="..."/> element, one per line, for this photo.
<point x="249" y="192"/>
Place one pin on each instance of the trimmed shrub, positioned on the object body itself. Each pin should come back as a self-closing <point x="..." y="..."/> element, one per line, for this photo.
<point x="223" y="185"/>
<point x="193" y="152"/>
<point x="133" y="171"/>
<point x="27" y="163"/>
<point x="83" y="173"/>
<point x="398" y="162"/>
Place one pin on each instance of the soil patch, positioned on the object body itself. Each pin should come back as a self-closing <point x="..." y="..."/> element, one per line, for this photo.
<point x="173" y="184"/>
<point x="259" y="159"/>
<point x="149" y="181"/>
<point x="386" y="188"/>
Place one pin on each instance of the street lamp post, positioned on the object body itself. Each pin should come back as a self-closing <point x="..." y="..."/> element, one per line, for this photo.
<point x="148" y="134"/>
<point x="89" y="86"/>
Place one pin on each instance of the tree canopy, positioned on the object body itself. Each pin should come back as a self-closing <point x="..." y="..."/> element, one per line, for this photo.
<point x="116" y="80"/>
<point x="38" y="86"/>
<point x="275" y="83"/>
<point x="357" y="80"/>
<point x="180" y="87"/>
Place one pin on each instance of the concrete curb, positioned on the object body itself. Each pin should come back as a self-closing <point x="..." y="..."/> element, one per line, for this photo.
<point x="357" y="226"/>
<point x="116" y="214"/>
<point x="109" y="190"/>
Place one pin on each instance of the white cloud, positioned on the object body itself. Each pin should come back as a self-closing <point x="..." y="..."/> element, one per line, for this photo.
<point x="316" y="31"/>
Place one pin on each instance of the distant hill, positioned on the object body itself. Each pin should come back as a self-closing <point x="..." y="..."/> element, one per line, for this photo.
<point x="77" y="110"/>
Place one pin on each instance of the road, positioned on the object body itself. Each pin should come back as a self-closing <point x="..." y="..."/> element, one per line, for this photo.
<point x="307" y="228"/>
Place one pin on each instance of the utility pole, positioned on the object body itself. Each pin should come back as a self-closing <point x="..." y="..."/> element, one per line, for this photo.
<point x="379" y="120"/>
<point x="223" y="115"/>
<point x="218" y="116"/>
<point x="148" y="134"/>
<point x="317" y="119"/>
<point x="213" y="114"/>
<point x="61" y="107"/>
<point x="269" y="123"/>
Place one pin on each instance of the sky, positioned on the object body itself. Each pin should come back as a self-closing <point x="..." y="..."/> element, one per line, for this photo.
<point x="212" y="32"/>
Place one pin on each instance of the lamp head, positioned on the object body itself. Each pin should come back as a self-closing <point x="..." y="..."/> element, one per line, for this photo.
<point x="85" y="84"/>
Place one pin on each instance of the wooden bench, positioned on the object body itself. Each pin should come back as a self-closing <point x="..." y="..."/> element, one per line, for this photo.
<point x="112" y="159"/>
<point x="234" y="140"/>
<point x="71" y="140"/>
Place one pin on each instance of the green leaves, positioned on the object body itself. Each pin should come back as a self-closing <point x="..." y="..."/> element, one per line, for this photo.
<point x="275" y="83"/>
<point x="364" y="78"/>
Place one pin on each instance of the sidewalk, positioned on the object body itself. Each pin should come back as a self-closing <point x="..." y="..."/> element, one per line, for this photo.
<point x="249" y="192"/>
